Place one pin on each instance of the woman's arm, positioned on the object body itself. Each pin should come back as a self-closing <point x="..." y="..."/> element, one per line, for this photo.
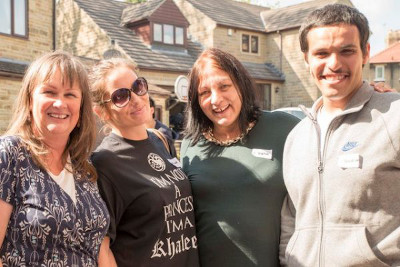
<point x="106" y="257"/>
<point x="5" y="211"/>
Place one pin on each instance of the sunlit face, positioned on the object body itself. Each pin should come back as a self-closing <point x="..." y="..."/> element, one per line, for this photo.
<point x="335" y="60"/>
<point x="55" y="107"/>
<point x="219" y="98"/>
<point x="136" y="112"/>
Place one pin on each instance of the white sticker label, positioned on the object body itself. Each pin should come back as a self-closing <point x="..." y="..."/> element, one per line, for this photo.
<point x="262" y="153"/>
<point x="349" y="161"/>
<point x="175" y="162"/>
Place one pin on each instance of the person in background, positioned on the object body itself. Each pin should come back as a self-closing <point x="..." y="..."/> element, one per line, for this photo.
<point x="148" y="195"/>
<point x="232" y="154"/>
<point x="342" y="163"/>
<point x="51" y="210"/>
<point x="169" y="134"/>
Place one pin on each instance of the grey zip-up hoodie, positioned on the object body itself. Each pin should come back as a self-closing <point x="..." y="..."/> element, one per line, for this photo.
<point x="343" y="207"/>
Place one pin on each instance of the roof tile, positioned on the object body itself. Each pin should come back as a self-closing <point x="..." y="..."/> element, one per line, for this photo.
<point x="388" y="55"/>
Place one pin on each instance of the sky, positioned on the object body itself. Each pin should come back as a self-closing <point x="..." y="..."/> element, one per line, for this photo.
<point x="382" y="15"/>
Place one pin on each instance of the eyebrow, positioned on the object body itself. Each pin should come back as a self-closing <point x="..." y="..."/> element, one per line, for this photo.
<point x="348" y="46"/>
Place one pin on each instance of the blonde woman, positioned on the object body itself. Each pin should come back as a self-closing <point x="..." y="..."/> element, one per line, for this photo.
<point x="51" y="211"/>
<point x="148" y="196"/>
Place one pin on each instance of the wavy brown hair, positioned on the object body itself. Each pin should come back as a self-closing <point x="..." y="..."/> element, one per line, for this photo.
<point x="82" y="138"/>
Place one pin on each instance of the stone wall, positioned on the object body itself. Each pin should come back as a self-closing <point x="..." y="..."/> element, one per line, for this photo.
<point x="232" y="44"/>
<point x="201" y="27"/>
<point x="283" y="50"/>
<point x="77" y="33"/>
<point x="39" y="41"/>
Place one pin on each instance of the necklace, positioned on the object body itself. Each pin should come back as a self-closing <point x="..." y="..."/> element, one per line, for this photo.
<point x="209" y="135"/>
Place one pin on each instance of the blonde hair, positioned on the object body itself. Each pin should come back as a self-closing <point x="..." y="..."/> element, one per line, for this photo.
<point x="98" y="79"/>
<point x="99" y="73"/>
<point x="82" y="138"/>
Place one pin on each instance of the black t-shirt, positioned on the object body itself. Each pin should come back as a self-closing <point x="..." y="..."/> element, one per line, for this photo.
<point x="150" y="203"/>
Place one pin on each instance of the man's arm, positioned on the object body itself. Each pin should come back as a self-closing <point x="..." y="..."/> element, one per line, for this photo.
<point x="288" y="220"/>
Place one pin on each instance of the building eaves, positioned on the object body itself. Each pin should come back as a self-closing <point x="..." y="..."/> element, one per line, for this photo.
<point x="107" y="13"/>
<point x="290" y="17"/>
<point x="10" y="67"/>
<point x="231" y="14"/>
<point x="264" y="71"/>
<point x="139" y="11"/>
<point x="388" y="55"/>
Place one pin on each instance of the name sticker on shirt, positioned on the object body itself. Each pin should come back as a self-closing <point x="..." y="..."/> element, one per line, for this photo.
<point x="350" y="161"/>
<point x="262" y="153"/>
<point x="175" y="162"/>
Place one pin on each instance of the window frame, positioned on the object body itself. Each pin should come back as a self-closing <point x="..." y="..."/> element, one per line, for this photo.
<point x="174" y="43"/>
<point x="12" y="17"/>
<point x="380" y="78"/>
<point x="249" y="44"/>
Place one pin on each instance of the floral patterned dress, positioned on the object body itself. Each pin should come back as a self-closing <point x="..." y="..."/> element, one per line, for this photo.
<point x="46" y="227"/>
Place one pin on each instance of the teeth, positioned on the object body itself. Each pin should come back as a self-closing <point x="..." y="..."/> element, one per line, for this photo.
<point x="58" y="116"/>
<point x="334" y="77"/>
<point x="221" y="109"/>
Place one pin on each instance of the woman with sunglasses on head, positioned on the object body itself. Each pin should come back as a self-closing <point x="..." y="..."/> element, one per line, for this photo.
<point x="148" y="196"/>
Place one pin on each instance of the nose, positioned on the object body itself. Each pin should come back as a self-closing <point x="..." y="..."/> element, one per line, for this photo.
<point x="215" y="97"/>
<point x="334" y="63"/>
<point x="134" y="98"/>
<point x="59" y="102"/>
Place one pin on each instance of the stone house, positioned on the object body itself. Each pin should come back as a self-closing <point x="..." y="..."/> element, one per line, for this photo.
<point x="265" y="40"/>
<point x="164" y="38"/>
<point x="26" y="32"/>
<point x="385" y="66"/>
<point x="152" y="34"/>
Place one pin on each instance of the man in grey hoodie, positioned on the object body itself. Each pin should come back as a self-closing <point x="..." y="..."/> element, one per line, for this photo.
<point x="342" y="162"/>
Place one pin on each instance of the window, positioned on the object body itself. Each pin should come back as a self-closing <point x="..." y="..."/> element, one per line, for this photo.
<point x="254" y="44"/>
<point x="245" y="43"/>
<point x="157" y="33"/>
<point x="379" y="73"/>
<point x="249" y="43"/>
<point x="13" y="17"/>
<point x="179" y="35"/>
<point x="168" y="34"/>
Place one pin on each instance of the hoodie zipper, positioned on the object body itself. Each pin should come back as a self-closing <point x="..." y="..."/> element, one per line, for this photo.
<point x="321" y="202"/>
<point x="320" y="191"/>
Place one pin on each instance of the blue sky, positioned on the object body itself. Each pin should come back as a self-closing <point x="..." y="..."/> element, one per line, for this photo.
<point x="383" y="16"/>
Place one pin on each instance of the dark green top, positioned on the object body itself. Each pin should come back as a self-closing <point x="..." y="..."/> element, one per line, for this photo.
<point x="238" y="193"/>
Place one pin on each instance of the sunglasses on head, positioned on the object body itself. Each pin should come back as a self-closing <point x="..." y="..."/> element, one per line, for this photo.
<point x="121" y="97"/>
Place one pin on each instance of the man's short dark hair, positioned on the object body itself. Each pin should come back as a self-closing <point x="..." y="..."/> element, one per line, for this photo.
<point x="334" y="15"/>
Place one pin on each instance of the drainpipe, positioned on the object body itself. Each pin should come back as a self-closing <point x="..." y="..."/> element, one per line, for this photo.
<point x="280" y="50"/>
<point x="391" y="75"/>
<point x="54" y="25"/>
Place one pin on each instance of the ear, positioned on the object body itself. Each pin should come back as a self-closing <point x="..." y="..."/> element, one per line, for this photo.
<point x="101" y="113"/>
<point x="366" y="54"/>
<point x="305" y="56"/>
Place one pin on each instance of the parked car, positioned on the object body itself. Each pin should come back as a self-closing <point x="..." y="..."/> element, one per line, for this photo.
<point x="295" y="111"/>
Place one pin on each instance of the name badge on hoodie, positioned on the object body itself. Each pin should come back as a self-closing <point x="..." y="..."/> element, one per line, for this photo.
<point x="349" y="161"/>
<point x="262" y="153"/>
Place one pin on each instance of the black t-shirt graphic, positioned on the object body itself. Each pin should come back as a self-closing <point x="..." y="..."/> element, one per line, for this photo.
<point x="150" y="203"/>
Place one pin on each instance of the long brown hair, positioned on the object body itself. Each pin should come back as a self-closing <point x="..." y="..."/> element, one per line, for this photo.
<point x="82" y="138"/>
<point x="196" y="120"/>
